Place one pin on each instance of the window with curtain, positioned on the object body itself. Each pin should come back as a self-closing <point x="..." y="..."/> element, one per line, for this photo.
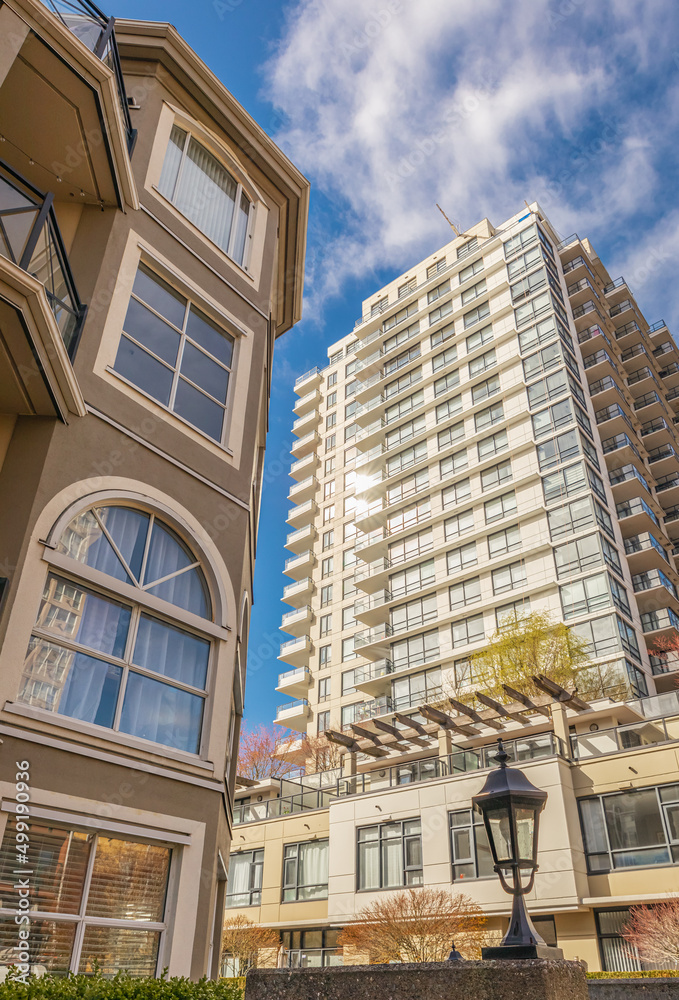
<point x="305" y="871"/>
<point x="120" y="663"/>
<point x="390" y="855"/>
<point x="244" y="887"/>
<point x="101" y="900"/>
<point x="630" y="829"/>
<point x="206" y="193"/>
<point x="176" y="354"/>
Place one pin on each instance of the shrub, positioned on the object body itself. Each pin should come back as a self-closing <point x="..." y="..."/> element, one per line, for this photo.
<point x="120" y="987"/>
<point x="648" y="974"/>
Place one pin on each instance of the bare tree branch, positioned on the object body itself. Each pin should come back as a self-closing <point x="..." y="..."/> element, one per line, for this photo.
<point x="416" y="925"/>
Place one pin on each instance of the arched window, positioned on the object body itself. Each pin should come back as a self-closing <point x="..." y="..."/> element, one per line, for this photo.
<point x="206" y="193"/>
<point x="109" y="659"/>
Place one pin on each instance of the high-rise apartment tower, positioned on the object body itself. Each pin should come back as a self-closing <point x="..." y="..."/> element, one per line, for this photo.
<point x="497" y="435"/>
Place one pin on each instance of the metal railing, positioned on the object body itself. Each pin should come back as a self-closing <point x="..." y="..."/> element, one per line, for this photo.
<point x="654" y="621"/>
<point x="286" y="647"/>
<point x="302" y="378"/>
<point x="302" y="612"/>
<point x="30" y="238"/>
<point x="289" y="705"/>
<point x="307" y="554"/>
<point x="97" y="31"/>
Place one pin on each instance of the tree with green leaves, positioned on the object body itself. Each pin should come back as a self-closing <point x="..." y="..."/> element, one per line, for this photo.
<point x="525" y="646"/>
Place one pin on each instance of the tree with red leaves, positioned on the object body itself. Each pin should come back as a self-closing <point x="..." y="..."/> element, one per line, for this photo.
<point x="263" y="753"/>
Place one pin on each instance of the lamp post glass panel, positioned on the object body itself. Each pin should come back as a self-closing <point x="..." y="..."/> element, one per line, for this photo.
<point x="510" y="806"/>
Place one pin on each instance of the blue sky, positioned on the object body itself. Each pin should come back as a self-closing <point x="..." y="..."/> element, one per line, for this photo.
<point x="392" y="106"/>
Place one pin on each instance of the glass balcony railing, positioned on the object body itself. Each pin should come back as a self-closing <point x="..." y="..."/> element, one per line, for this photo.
<point x="459" y="762"/>
<point x="30" y="238"/>
<point x="255" y="812"/>
<point x="97" y="31"/>
<point x="622" y="738"/>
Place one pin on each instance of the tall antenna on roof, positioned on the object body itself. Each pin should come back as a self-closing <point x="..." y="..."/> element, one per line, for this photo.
<point x="452" y="225"/>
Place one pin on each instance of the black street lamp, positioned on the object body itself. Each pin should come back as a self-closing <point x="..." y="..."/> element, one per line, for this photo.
<point x="510" y="806"/>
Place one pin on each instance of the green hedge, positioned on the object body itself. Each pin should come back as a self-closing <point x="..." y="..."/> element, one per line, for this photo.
<point x="649" y="974"/>
<point x="121" y="987"/>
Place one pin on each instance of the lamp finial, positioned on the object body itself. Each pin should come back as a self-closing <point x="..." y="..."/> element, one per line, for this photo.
<point x="501" y="756"/>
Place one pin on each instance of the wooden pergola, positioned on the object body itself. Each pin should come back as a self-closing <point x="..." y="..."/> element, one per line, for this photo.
<point x="463" y="721"/>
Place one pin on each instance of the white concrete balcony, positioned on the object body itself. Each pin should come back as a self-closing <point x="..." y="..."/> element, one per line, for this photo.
<point x="303" y="490"/>
<point x="300" y="566"/>
<point x="306" y="423"/>
<point x="374" y="642"/>
<point x="302" y="514"/>
<point x="371" y="514"/>
<point x="296" y="651"/>
<point x="304" y="467"/>
<point x="304" y="445"/>
<point x="294" y="715"/>
<point x="302" y="539"/>
<point x="311" y="401"/>
<point x="644" y="552"/>
<point x="370" y="461"/>
<point x="295" y="682"/>
<point x="297" y="622"/>
<point x="371" y="434"/>
<point x="375" y="678"/>
<point x="308" y="381"/>
<point x="372" y="576"/>
<point x="299" y="593"/>
<point x="373" y="610"/>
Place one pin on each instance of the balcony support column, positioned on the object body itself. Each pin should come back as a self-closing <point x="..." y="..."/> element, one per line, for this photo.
<point x="445" y="739"/>
<point x="349" y="768"/>
<point x="560" y="723"/>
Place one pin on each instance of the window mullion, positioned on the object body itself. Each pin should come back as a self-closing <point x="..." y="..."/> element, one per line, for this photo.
<point x="113" y="545"/>
<point x="121" y="697"/>
<point x="234" y="222"/>
<point x="178" y="364"/>
<point x="80" y="929"/>
<point x="147" y="545"/>
<point x="180" y="172"/>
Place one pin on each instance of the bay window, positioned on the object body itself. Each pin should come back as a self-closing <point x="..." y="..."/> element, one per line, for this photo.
<point x="174" y="353"/>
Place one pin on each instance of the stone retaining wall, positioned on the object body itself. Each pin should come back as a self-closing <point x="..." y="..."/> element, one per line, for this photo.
<point x="528" y="980"/>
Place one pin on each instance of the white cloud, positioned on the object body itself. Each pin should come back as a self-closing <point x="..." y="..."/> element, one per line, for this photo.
<point x="476" y="104"/>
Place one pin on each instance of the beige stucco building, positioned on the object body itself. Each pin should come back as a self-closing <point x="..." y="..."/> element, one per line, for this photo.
<point x="609" y="837"/>
<point x="151" y="252"/>
<point x="497" y="435"/>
